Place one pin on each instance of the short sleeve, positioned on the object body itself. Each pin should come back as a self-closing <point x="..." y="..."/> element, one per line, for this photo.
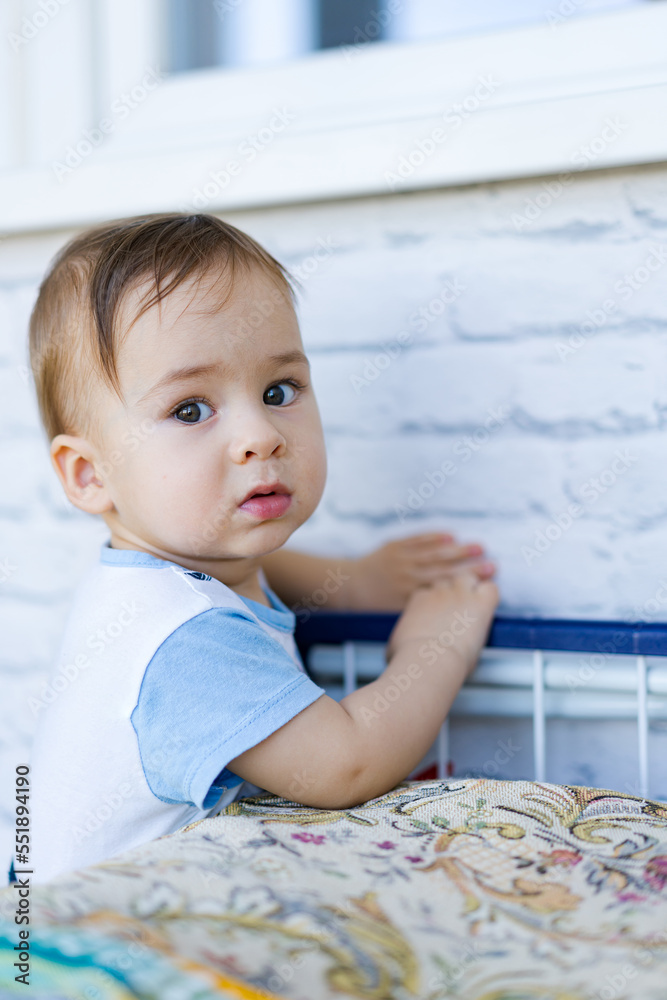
<point x="217" y="686"/>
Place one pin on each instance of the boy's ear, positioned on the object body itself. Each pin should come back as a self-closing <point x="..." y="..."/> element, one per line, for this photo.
<point x="74" y="460"/>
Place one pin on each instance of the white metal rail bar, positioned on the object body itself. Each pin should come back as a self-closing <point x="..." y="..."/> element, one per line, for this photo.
<point x="539" y="728"/>
<point x="642" y="724"/>
<point x="443" y="750"/>
<point x="349" y="667"/>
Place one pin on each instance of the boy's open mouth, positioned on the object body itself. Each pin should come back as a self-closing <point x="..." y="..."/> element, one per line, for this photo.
<point x="267" y="501"/>
<point x="270" y="489"/>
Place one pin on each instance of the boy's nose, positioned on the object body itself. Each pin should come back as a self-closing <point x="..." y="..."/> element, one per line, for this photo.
<point x="258" y="437"/>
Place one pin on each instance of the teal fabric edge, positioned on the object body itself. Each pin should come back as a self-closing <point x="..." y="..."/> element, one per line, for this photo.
<point x="86" y="959"/>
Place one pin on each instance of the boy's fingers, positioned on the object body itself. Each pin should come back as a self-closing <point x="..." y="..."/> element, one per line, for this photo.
<point x="431" y="538"/>
<point x="485" y="571"/>
<point x="433" y="571"/>
<point x="463" y="576"/>
<point x="448" y="554"/>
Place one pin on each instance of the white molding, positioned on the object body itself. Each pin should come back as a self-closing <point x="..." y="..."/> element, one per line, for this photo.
<point x="11" y="87"/>
<point x="57" y="98"/>
<point x="356" y="111"/>
<point x="128" y="39"/>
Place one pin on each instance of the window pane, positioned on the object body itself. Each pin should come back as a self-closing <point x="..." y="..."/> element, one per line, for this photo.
<point x="256" y="32"/>
<point x="422" y="20"/>
<point x="346" y="22"/>
<point x="238" y="32"/>
<point x="192" y="34"/>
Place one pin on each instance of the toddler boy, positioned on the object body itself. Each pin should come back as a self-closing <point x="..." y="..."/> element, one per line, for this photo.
<point x="174" y="389"/>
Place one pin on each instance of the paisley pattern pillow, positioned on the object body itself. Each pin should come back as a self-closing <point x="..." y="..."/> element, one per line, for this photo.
<point x="476" y="889"/>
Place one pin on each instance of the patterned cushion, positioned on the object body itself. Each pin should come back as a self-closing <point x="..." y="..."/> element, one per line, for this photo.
<point x="475" y="889"/>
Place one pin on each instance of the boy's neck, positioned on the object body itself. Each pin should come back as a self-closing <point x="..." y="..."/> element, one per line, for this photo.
<point x="240" y="575"/>
<point x="254" y="593"/>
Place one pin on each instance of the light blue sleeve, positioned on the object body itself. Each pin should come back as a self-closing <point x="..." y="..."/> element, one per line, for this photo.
<point x="218" y="685"/>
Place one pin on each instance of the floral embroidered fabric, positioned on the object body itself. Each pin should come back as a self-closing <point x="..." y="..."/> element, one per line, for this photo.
<point x="476" y="889"/>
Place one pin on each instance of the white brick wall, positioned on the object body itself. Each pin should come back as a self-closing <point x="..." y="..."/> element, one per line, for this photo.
<point x="526" y="292"/>
<point x="495" y="346"/>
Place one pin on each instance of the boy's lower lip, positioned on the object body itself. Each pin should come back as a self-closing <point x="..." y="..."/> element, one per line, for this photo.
<point x="272" y="505"/>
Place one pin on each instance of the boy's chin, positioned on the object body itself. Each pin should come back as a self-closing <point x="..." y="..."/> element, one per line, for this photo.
<point x="254" y="549"/>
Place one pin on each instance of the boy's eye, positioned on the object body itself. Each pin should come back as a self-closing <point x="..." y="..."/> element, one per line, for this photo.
<point x="193" y="412"/>
<point x="275" y="394"/>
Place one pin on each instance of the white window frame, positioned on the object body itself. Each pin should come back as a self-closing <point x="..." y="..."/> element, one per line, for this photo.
<point x="357" y="111"/>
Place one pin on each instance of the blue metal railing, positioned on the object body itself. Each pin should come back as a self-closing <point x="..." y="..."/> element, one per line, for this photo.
<point x="571" y="635"/>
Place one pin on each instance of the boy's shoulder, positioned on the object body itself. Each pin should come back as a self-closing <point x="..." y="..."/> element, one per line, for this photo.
<point x="126" y="585"/>
<point x="152" y="597"/>
<point x="120" y="571"/>
<point x="131" y="604"/>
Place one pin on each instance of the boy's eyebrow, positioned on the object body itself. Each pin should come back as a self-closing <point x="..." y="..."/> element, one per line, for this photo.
<point x="193" y="371"/>
<point x="289" y="358"/>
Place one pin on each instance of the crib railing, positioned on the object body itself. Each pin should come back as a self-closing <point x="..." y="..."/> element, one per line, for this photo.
<point x="527" y="670"/>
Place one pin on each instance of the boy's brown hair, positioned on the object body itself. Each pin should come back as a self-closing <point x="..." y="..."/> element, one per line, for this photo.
<point x="73" y="336"/>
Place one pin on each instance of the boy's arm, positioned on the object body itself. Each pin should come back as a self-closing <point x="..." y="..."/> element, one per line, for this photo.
<point x="381" y="580"/>
<point x="297" y="576"/>
<point x="334" y="755"/>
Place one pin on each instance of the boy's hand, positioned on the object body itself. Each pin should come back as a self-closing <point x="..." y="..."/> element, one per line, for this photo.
<point x="449" y="614"/>
<point x="384" y="579"/>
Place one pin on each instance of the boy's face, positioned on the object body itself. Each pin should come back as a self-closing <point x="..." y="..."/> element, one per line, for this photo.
<point x="210" y="415"/>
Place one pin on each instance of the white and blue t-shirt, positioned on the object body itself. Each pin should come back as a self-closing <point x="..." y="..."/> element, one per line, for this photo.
<point x="163" y="677"/>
